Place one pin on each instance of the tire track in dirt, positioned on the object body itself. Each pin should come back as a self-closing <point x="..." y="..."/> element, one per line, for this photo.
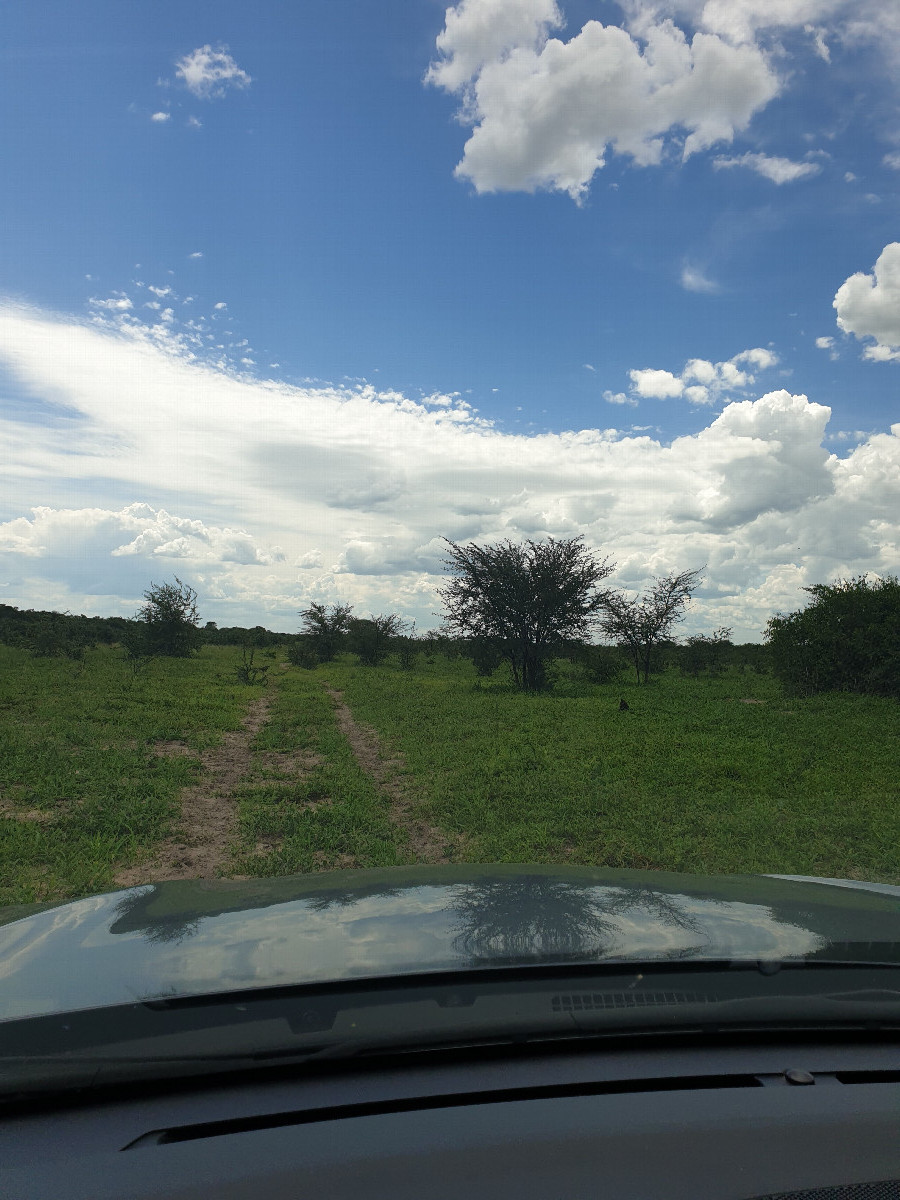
<point x="208" y="808"/>
<point x="428" y="843"/>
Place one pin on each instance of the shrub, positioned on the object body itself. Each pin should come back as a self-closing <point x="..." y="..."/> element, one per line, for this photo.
<point x="302" y="653"/>
<point x="170" y="625"/>
<point x="372" y="640"/>
<point x="846" y="640"/>
<point x="326" y="628"/>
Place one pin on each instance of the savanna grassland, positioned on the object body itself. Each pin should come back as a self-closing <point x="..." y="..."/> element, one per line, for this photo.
<point x="353" y="766"/>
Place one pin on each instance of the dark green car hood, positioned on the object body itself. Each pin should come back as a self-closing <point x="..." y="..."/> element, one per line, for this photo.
<point x="212" y="936"/>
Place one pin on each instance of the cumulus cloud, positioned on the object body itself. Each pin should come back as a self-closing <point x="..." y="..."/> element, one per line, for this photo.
<point x="209" y="72"/>
<point x="661" y="385"/>
<point x="868" y="306"/>
<point x="759" y="357"/>
<point x="161" y="116"/>
<point x="358" y="487"/>
<point x="546" y="113"/>
<point x="701" y="381"/>
<point x="138" y="529"/>
<point x="779" y="170"/>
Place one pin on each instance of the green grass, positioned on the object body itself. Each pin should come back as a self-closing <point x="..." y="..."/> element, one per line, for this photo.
<point x="333" y="817"/>
<point x="689" y="779"/>
<point x="75" y="753"/>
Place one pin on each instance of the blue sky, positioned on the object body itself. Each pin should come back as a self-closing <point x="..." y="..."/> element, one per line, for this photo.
<point x="289" y="293"/>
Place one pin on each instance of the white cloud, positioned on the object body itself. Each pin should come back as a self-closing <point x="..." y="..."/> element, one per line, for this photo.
<point x="477" y="32"/>
<point x="868" y="306"/>
<point x="742" y="20"/>
<point x="661" y="385"/>
<point x="223" y="470"/>
<point x="208" y="72"/>
<point x="701" y="381"/>
<point x="758" y="357"/>
<point x="161" y="116"/>
<point x="546" y="113"/>
<point x="697" y="394"/>
<point x="699" y="369"/>
<point x="693" y="279"/>
<point x="221" y="304"/>
<point x="115" y="303"/>
<point x="779" y="170"/>
<point x="818" y="36"/>
<point x="618" y="398"/>
<point x="196" y="254"/>
<point x="194" y="123"/>
<point x="892" y="160"/>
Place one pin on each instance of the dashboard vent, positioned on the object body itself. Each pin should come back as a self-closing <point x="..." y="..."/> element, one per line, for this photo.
<point x="885" y="1189"/>
<point x="594" y="1001"/>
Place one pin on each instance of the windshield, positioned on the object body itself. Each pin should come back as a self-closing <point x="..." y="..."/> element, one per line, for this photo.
<point x="441" y="436"/>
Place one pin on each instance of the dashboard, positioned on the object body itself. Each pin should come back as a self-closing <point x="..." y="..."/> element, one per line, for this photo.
<point x="794" y="1116"/>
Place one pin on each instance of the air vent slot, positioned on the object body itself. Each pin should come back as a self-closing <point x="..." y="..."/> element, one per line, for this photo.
<point x="578" y="1002"/>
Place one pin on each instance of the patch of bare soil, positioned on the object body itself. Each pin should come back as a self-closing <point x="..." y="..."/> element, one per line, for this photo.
<point x="40" y="816"/>
<point x="428" y="843"/>
<point x="208" y="809"/>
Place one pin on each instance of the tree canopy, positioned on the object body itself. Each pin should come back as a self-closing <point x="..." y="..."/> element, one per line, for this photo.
<point x="168" y="623"/>
<point x="643" y="622"/>
<point x="326" y="629"/>
<point x="528" y="598"/>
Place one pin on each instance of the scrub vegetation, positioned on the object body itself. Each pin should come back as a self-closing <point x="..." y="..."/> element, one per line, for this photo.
<point x="711" y="767"/>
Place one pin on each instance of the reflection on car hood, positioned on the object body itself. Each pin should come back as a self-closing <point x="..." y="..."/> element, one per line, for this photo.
<point x="211" y="936"/>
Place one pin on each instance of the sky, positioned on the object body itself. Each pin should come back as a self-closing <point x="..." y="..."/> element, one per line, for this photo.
<point x="291" y="293"/>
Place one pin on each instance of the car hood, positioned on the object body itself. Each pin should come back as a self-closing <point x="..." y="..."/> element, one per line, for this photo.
<point x="197" y="937"/>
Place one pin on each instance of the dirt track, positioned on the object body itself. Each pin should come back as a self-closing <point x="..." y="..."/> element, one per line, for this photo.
<point x="428" y="843"/>
<point x="208" y="809"/>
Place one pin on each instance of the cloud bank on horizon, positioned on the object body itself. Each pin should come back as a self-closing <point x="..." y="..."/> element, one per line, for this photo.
<point x="266" y="496"/>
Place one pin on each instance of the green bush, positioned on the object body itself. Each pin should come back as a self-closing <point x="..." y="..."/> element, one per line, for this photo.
<point x="846" y="640"/>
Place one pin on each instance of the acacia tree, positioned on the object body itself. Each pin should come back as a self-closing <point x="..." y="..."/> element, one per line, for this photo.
<point x="643" y="622"/>
<point x="326" y="629"/>
<point x="168" y="623"/>
<point x="527" y="599"/>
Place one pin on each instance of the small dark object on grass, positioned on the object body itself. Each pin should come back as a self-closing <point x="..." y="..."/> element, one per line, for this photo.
<point x="623" y="706"/>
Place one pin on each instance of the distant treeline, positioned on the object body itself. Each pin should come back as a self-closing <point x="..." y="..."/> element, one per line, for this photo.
<point x="50" y="634"/>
